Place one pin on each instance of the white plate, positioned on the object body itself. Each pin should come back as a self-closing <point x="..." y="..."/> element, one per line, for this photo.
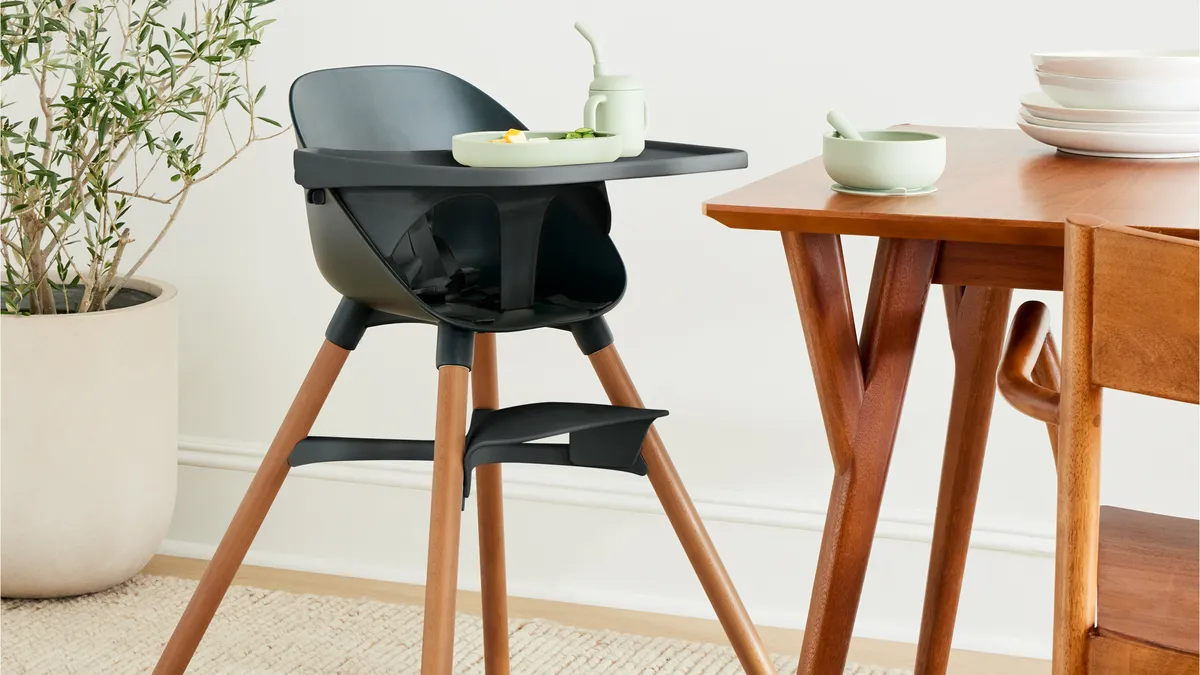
<point x="1115" y="144"/>
<point x="1128" y="127"/>
<point x="1042" y="105"/>
<point x="1133" y="155"/>
<point x="1123" y="65"/>
<point x="473" y="149"/>
<point x="1095" y="93"/>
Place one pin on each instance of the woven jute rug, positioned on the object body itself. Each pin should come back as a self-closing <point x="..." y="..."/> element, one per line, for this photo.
<point x="261" y="632"/>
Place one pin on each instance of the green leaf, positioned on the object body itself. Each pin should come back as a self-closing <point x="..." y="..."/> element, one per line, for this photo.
<point x="268" y="120"/>
<point x="124" y="108"/>
<point x="169" y="61"/>
<point x="259" y="95"/>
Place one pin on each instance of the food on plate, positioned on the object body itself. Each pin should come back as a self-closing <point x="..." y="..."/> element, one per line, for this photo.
<point x="511" y="136"/>
<point x="518" y="136"/>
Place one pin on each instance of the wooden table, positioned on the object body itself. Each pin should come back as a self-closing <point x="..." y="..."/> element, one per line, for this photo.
<point x="994" y="225"/>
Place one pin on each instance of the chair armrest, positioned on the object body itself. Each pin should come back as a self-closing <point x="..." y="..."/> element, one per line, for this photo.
<point x="1029" y="335"/>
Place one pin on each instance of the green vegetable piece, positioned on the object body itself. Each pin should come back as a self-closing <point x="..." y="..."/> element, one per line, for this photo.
<point x="573" y="134"/>
<point x="584" y="130"/>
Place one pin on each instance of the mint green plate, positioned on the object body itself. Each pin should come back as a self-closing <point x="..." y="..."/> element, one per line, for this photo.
<point x="894" y="192"/>
<point x="473" y="149"/>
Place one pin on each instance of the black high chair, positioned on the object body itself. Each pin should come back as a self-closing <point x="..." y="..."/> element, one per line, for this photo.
<point x="406" y="235"/>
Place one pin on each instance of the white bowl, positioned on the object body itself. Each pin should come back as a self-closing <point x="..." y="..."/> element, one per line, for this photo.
<point x="1126" y="127"/>
<point x="1131" y="64"/>
<point x="885" y="160"/>
<point x="1089" y="92"/>
<point x="1043" y="106"/>
<point x="1123" y="65"/>
<point x="1115" y="144"/>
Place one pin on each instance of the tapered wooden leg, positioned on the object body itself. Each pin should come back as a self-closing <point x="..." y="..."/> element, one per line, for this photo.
<point x="489" y="496"/>
<point x="861" y="388"/>
<point x="445" y="517"/>
<point x="688" y="527"/>
<point x="253" y="509"/>
<point x="978" y="321"/>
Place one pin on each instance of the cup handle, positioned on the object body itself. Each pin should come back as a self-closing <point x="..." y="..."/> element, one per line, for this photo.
<point x="589" y="110"/>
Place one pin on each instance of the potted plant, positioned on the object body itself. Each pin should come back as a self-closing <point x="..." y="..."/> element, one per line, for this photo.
<point x="114" y="111"/>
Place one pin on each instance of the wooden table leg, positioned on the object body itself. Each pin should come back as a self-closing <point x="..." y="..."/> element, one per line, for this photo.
<point x="978" y="318"/>
<point x="680" y="510"/>
<point x="861" y="386"/>
<point x="251" y="512"/>
<point x="489" y="496"/>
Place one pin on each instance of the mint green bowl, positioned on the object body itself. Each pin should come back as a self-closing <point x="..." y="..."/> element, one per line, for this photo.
<point x="885" y="160"/>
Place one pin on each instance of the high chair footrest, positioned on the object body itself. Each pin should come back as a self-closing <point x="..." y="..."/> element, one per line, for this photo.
<point x="316" y="449"/>
<point x="600" y="437"/>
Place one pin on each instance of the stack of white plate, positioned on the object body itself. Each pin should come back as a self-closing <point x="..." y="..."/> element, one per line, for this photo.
<point x="1131" y="104"/>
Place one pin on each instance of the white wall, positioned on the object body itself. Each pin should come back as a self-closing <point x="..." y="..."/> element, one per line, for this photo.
<point x="708" y="328"/>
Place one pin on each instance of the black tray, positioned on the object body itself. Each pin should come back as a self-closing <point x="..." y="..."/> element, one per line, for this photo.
<point x="324" y="168"/>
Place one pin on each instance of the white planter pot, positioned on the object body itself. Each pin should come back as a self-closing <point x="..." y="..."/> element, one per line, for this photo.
<point x="89" y="408"/>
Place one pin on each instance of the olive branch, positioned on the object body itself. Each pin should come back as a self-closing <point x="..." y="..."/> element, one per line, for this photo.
<point x="125" y="90"/>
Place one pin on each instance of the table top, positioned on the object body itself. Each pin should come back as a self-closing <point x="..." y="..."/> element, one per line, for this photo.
<point x="1000" y="186"/>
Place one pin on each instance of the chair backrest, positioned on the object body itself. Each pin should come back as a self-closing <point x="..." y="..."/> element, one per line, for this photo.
<point x="390" y="108"/>
<point x="1145" y="309"/>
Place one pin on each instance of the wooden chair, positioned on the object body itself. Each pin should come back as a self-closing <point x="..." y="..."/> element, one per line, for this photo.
<point x="1126" y="588"/>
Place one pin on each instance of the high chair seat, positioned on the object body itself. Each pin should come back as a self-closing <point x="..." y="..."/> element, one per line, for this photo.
<point x="399" y="226"/>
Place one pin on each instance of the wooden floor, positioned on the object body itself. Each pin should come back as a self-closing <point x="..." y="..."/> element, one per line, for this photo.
<point x="778" y="640"/>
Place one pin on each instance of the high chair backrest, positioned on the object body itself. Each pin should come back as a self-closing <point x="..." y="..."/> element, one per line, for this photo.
<point x="390" y="108"/>
<point x="1145" y="307"/>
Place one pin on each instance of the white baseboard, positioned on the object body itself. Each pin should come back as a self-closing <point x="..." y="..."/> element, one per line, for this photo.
<point x="773" y="568"/>
<point x="738" y="509"/>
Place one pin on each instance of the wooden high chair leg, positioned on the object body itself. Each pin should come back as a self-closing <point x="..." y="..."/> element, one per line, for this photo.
<point x="688" y="527"/>
<point x="489" y="496"/>
<point x="445" y="518"/>
<point x="253" y="509"/>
